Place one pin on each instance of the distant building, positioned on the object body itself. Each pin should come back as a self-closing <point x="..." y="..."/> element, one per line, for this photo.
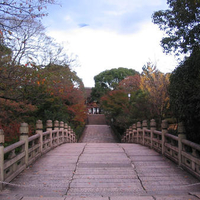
<point x="92" y="106"/>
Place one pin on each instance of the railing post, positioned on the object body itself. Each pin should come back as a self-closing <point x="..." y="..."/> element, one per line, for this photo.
<point x="39" y="130"/>
<point x="49" y="126"/>
<point x="144" y="127"/>
<point x="181" y="135"/>
<point x="74" y="137"/>
<point x="153" y="128"/>
<point x="130" y="134"/>
<point x="70" y="134"/>
<point x="138" y="130"/>
<point x="164" y="126"/>
<point x="24" y="136"/>
<point x="127" y="135"/>
<point x="56" y="127"/>
<point x="2" y="140"/>
<point x="66" y="130"/>
<point x="62" y="129"/>
<point x="134" y="129"/>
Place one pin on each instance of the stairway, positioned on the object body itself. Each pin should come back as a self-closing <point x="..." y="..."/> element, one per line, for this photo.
<point x="98" y="119"/>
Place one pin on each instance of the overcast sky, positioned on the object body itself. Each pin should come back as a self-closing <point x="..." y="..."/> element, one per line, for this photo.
<point x="106" y="34"/>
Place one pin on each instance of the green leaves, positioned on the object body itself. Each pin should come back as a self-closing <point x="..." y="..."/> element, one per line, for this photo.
<point x="181" y="25"/>
<point x="184" y="95"/>
<point x="108" y="80"/>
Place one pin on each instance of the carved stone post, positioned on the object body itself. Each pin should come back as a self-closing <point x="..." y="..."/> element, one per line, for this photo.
<point x="144" y="127"/>
<point x="164" y="126"/>
<point x="134" y="130"/>
<point x="70" y="134"/>
<point x="139" y="126"/>
<point x="49" y="126"/>
<point x="2" y="140"/>
<point x="66" y="132"/>
<point x="39" y="130"/>
<point x="153" y="128"/>
<point x="181" y="135"/>
<point x="24" y="136"/>
<point x="127" y="135"/>
<point x="130" y="130"/>
<point x="74" y="137"/>
<point x="62" y="129"/>
<point x="56" y="127"/>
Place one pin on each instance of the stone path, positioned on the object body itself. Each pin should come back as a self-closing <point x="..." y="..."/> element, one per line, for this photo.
<point x="103" y="171"/>
<point x="97" y="134"/>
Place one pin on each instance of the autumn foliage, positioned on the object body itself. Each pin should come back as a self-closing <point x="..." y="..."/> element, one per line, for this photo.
<point x="31" y="92"/>
<point x="138" y="97"/>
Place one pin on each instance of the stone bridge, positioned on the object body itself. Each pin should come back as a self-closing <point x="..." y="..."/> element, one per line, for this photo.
<point x="99" y="168"/>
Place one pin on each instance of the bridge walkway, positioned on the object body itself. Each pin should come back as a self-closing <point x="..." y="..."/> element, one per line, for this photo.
<point x="107" y="171"/>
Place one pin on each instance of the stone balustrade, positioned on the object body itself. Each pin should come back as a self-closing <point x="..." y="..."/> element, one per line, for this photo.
<point x="16" y="157"/>
<point x="183" y="152"/>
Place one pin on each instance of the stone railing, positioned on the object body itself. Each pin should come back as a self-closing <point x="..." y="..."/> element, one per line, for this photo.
<point x="16" y="157"/>
<point x="183" y="152"/>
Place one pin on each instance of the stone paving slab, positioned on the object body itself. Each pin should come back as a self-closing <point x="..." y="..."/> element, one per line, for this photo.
<point x="112" y="165"/>
<point x="99" y="184"/>
<point x="146" y="158"/>
<point x="133" y="198"/>
<point x="184" y="180"/>
<point x="99" y="180"/>
<point x="45" y="198"/>
<point x="106" y="176"/>
<point x="101" y="172"/>
<point x="175" y="197"/>
<point x="106" y="192"/>
<point x="197" y="194"/>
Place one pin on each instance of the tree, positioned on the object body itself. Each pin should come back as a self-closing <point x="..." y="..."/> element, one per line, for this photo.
<point x="25" y="41"/>
<point x="181" y="23"/>
<point x="122" y="110"/>
<point x="22" y="31"/>
<point x="111" y="78"/>
<point x="130" y="83"/>
<point x="108" y="80"/>
<point x="13" y="13"/>
<point x="156" y="84"/>
<point x="185" y="97"/>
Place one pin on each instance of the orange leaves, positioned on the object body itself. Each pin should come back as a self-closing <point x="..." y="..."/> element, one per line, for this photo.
<point x="11" y="115"/>
<point x="156" y="84"/>
<point x="130" y="83"/>
<point x="1" y="33"/>
<point x="78" y="111"/>
<point x="20" y="107"/>
<point x="10" y="33"/>
<point x="41" y="82"/>
<point x="114" y="101"/>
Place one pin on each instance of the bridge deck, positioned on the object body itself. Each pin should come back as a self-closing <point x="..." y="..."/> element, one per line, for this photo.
<point x="107" y="171"/>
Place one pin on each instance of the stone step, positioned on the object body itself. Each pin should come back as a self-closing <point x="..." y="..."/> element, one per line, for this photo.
<point x="98" y="119"/>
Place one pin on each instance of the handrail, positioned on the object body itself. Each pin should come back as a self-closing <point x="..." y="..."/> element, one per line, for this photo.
<point x="177" y="148"/>
<point x="33" y="137"/>
<point x="16" y="157"/>
<point x="13" y="146"/>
